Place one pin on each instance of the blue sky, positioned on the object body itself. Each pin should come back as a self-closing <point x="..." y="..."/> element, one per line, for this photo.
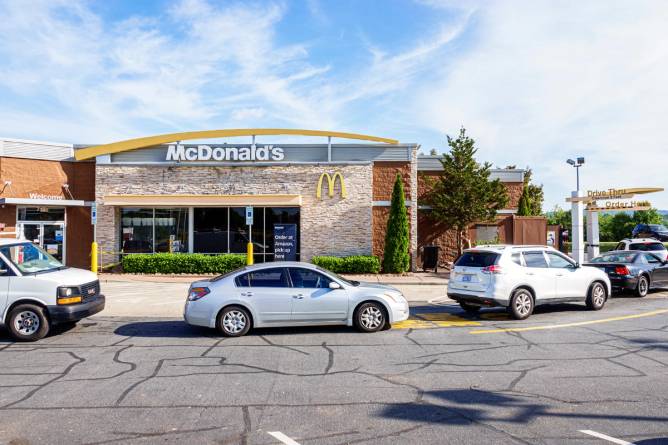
<point x="534" y="82"/>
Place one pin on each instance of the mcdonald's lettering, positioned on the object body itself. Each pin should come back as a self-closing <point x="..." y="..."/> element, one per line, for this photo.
<point x="331" y="182"/>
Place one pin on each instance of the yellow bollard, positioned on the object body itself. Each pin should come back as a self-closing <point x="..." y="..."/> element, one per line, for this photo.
<point x="93" y="257"/>
<point x="249" y="254"/>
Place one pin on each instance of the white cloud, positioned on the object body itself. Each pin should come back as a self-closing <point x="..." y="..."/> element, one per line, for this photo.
<point x="548" y="81"/>
<point x="245" y="114"/>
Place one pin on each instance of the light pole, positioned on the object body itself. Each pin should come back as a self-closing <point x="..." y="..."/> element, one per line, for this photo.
<point x="577" y="164"/>
<point x="577" y="215"/>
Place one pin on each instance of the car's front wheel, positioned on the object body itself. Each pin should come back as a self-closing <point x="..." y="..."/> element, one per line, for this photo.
<point x="370" y="317"/>
<point x="28" y="322"/>
<point x="643" y="286"/>
<point x="234" y="321"/>
<point x="521" y="304"/>
<point x="597" y="296"/>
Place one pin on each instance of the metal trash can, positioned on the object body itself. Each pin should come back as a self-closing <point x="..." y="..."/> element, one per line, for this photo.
<point x="430" y="258"/>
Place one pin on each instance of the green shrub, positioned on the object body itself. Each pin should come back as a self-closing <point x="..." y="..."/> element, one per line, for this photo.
<point x="332" y="263"/>
<point x="358" y="264"/>
<point x="396" y="258"/>
<point x="181" y="263"/>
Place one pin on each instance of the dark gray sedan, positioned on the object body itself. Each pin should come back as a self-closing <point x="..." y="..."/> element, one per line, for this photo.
<point x="631" y="270"/>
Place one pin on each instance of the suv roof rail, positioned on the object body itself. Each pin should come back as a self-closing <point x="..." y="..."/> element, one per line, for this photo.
<point x="524" y="246"/>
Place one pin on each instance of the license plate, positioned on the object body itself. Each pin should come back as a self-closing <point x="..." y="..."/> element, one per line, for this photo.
<point x="466" y="278"/>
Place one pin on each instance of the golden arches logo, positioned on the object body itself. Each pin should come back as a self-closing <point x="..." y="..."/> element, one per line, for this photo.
<point x="331" y="182"/>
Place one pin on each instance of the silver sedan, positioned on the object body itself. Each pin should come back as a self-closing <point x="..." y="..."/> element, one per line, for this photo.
<point x="290" y="294"/>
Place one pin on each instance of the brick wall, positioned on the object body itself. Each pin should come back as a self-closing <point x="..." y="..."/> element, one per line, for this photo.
<point x="79" y="236"/>
<point x="330" y="226"/>
<point x="47" y="178"/>
<point x="8" y="218"/>
<point x="384" y="175"/>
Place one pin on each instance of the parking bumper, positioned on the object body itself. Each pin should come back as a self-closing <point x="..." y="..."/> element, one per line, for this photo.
<point x="75" y="312"/>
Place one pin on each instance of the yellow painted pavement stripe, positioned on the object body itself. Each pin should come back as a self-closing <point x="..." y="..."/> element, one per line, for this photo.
<point x="568" y="325"/>
<point x="434" y="320"/>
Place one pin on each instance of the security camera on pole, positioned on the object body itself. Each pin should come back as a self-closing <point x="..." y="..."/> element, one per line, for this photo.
<point x="577" y="215"/>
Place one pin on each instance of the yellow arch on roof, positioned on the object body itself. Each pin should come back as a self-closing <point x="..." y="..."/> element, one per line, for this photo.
<point x="133" y="144"/>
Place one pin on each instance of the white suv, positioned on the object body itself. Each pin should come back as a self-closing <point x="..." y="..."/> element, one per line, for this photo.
<point x="521" y="277"/>
<point x="644" y="245"/>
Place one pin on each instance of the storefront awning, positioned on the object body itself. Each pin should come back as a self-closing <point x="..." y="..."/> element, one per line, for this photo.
<point x="44" y="202"/>
<point x="202" y="200"/>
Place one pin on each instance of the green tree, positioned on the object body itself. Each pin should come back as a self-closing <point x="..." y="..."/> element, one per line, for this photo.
<point x="559" y="216"/>
<point x="524" y="208"/>
<point x="621" y="226"/>
<point x="535" y="194"/>
<point x="464" y="194"/>
<point x="396" y="258"/>
<point x="651" y="216"/>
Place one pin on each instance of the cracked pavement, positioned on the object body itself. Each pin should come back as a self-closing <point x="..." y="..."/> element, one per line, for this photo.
<point x="147" y="380"/>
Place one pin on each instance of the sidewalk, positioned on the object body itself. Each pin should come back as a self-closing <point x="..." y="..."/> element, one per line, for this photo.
<point x="410" y="279"/>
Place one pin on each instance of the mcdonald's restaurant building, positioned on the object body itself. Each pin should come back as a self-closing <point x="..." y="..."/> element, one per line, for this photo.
<point x="165" y="194"/>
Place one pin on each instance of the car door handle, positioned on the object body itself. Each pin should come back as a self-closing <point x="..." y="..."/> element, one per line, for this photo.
<point x="560" y="275"/>
<point x="298" y="296"/>
<point x="530" y="273"/>
<point x="247" y="294"/>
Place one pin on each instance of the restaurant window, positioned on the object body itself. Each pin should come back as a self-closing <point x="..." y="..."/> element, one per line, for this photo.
<point x="171" y="230"/>
<point x="210" y="230"/>
<point x="137" y="230"/>
<point x="279" y="215"/>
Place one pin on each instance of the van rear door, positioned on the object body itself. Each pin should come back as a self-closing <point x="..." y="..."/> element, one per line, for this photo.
<point x="471" y="271"/>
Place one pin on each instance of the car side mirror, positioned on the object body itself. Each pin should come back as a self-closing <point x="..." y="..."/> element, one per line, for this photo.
<point x="577" y="265"/>
<point x="334" y="285"/>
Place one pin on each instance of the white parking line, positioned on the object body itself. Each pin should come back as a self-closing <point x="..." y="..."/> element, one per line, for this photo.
<point x="282" y="437"/>
<point x="608" y="438"/>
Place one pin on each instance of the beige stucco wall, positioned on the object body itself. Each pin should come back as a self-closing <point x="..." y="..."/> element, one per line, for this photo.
<point x="329" y="226"/>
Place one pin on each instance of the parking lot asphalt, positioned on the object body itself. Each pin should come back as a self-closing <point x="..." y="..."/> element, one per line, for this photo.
<point x="565" y="375"/>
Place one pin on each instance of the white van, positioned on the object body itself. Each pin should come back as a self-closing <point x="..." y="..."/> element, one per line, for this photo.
<point x="37" y="291"/>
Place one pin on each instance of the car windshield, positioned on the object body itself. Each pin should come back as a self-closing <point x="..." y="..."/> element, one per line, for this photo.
<point x="29" y="258"/>
<point x="615" y="258"/>
<point x="339" y="277"/>
<point x="647" y="246"/>
<point x="658" y="228"/>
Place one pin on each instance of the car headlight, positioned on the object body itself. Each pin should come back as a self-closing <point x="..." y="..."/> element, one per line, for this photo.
<point x="68" y="295"/>
<point x="195" y="293"/>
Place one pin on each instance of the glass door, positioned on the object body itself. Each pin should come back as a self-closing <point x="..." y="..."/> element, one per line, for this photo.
<point x="33" y="233"/>
<point x="52" y="240"/>
<point x="46" y="235"/>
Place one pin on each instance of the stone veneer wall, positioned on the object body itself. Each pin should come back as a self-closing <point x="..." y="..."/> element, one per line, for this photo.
<point x="330" y="226"/>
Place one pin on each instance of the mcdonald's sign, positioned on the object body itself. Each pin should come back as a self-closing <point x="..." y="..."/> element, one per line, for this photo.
<point x="331" y="182"/>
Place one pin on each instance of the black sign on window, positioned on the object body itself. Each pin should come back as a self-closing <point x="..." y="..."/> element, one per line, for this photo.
<point x="285" y="242"/>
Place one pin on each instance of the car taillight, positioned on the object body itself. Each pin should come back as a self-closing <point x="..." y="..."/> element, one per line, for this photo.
<point x="496" y="269"/>
<point x="197" y="292"/>
<point x="622" y="270"/>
